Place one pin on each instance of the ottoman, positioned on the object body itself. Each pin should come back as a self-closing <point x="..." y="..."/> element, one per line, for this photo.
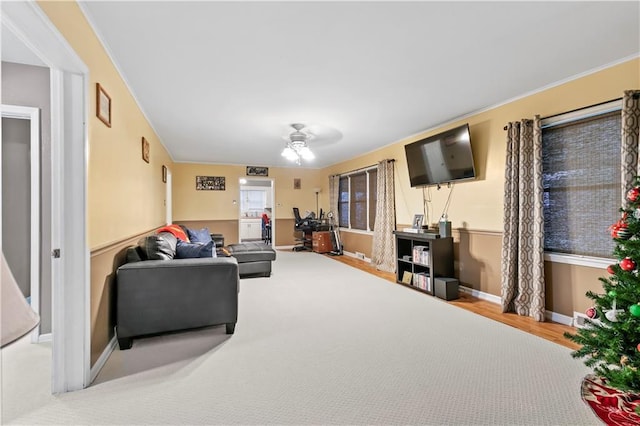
<point x="254" y="259"/>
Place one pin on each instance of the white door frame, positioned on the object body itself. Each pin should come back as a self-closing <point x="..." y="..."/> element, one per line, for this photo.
<point x="33" y="115"/>
<point x="168" y="199"/>
<point x="70" y="322"/>
<point x="271" y="191"/>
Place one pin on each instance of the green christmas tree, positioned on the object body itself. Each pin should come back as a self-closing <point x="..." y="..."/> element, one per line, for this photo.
<point x="611" y="341"/>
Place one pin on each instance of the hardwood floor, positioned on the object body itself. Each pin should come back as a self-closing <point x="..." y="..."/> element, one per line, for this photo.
<point x="547" y="330"/>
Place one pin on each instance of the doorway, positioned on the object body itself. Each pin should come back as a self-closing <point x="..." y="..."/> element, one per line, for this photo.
<point x="21" y="200"/>
<point x="68" y="257"/>
<point x="256" y="200"/>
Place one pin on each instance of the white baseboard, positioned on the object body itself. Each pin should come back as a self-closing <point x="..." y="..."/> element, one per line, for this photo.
<point x="103" y="359"/>
<point x="559" y="318"/>
<point x="45" y="338"/>
<point x="549" y="315"/>
<point x="481" y="294"/>
<point x="351" y="254"/>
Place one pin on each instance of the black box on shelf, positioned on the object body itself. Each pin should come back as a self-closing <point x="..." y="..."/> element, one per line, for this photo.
<point x="445" y="288"/>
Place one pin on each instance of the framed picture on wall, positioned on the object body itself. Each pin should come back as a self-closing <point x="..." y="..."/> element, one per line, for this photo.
<point x="164" y="173"/>
<point x="103" y="105"/>
<point x="210" y="183"/>
<point x="297" y="183"/>
<point x="257" y="171"/>
<point x="145" y="149"/>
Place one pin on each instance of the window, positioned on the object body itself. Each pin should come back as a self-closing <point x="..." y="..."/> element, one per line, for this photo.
<point x="252" y="201"/>
<point x="357" y="200"/>
<point x="581" y="180"/>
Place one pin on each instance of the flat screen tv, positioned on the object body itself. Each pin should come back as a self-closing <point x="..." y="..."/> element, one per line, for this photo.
<point x="442" y="158"/>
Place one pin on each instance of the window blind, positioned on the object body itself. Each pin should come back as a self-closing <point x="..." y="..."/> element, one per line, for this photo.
<point x="581" y="181"/>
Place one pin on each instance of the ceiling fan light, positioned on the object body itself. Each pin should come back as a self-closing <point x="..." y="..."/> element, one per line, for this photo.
<point x="287" y="152"/>
<point x="306" y="153"/>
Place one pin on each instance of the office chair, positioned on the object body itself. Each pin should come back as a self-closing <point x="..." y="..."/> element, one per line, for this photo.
<point x="303" y="227"/>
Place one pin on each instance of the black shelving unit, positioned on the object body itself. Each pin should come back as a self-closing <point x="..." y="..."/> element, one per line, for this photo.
<point x="435" y="261"/>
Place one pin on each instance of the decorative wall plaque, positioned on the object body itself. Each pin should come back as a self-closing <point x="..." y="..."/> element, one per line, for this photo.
<point x="210" y="183"/>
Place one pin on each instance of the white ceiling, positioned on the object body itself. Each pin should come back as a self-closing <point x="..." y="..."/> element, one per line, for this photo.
<point x="221" y="81"/>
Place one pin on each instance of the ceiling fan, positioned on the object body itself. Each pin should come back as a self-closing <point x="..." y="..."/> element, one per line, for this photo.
<point x="297" y="148"/>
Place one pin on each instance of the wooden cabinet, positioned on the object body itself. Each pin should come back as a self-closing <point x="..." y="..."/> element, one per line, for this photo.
<point x="321" y="241"/>
<point x="421" y="257"/>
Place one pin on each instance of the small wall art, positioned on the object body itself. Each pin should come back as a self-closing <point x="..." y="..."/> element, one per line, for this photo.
<point x="103" y="105"/>
<point x="257" y="171"/>
<point x="210" y="183"/>
<point x="145" y="149"/>
<point x="297" y="184"/>
<point x="164" y="173"/>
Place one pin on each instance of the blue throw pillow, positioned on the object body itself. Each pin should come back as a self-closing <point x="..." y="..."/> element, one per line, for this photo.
<point x="199" y="236"/>
<point x="191" y="250"/>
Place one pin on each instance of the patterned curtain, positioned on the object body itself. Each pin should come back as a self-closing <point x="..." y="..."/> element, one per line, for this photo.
<point x="523" y="238"/>
<point x="630" y="139"/>
<point x="383" y="250"/>
<point x="334" y="193"/>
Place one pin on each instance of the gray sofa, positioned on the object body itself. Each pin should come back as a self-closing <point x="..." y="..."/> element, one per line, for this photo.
<point x="156" y="293"/>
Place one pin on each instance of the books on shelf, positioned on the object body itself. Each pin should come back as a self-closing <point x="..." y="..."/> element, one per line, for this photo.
<point x="421" y="255"/>
<point x="422" y="281"/>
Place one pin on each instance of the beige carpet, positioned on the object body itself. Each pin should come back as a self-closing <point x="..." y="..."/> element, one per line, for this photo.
<point x="322" y="343"/>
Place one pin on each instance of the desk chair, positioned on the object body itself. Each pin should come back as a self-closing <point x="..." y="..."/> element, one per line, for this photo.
<point x="304" y="228"/>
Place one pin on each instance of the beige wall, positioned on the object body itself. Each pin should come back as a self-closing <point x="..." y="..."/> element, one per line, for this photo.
<point x="125" y="194"/>
<point x="476" y="206"/>
<point x="190" y="204"/>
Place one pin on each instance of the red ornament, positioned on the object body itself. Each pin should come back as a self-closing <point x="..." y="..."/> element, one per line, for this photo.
<point x="628" y="264"/>
<point x="611" y="270"/>
<point x="619" y="230"/>
<point x="633" y="194"/>
<point x="591" y="312"/>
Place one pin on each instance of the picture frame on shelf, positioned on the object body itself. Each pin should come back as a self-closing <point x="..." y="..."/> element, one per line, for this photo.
<point x="417" y="221"/>
<point x="103" y="105"/>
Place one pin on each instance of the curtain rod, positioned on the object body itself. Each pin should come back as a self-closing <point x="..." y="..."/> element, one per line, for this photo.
<point x="635" y="96"/>
<point x="364" y="168"/>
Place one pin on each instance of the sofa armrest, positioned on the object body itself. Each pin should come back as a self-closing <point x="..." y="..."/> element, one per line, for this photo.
<point x="218" y="239"/>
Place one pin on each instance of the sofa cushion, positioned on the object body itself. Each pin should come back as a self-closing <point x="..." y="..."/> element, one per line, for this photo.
<point x="186" y="250"/>
<point x="199" y="235"/>
<point x="176" y="230"/>
<point x="158" y="247"/>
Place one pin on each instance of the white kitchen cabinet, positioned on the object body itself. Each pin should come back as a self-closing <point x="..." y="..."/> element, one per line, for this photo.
<point x="250" y="229"/>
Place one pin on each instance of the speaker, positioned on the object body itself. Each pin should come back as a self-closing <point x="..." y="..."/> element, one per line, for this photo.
<point x="445" y="228"/>
<point x="445" y="288"/>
